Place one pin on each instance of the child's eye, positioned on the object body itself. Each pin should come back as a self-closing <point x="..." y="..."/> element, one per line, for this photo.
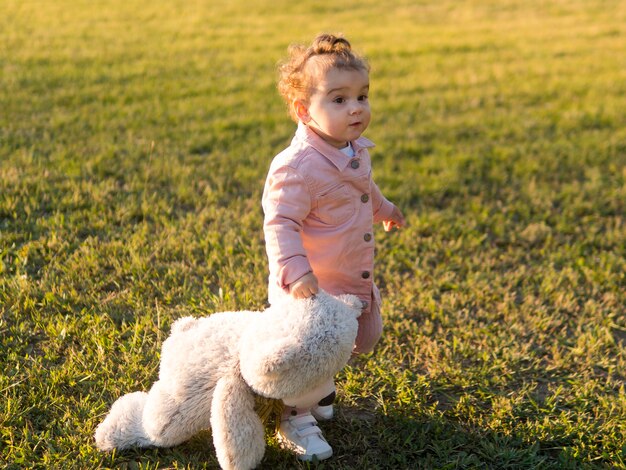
<point x="339" y="100"/>
<point x="363" y="98"/>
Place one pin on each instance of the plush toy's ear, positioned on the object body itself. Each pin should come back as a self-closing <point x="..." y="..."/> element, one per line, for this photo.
<point x="353" y="302"/>
<point x="275" y="359"/>
<point x="238" y="434"/>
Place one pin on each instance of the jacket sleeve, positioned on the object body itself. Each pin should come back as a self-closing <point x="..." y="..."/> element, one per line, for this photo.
<point x="380" y="205"/>
<point x="286" y="203"/>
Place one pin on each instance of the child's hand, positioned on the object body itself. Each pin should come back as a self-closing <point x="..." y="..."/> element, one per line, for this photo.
<point x="304" y="287"/>
<point x="396" y="219"/>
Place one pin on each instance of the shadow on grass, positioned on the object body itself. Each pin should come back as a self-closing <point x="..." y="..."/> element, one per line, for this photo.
<point x="373" y="440"/>
<point x="363" y="439"/>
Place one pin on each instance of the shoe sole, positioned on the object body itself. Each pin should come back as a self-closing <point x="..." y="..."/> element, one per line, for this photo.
<point x="311" y="458"/>
<point x="284" y="443"/>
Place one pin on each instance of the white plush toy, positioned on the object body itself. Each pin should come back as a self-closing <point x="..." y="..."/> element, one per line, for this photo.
<point x="211" y="368"/>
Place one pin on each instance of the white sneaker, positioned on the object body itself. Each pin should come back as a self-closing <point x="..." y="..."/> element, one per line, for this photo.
<point x="323" y="413"/>
<point x="301" y="435"/>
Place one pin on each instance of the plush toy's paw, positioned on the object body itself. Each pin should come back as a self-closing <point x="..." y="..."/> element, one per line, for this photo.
<point x="122" y="428"/>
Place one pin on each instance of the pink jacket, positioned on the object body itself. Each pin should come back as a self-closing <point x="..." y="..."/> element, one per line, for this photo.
<point x="320" y="206"/>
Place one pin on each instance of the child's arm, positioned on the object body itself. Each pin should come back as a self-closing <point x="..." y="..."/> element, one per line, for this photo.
<point x="385" y="211"/>
<point x="286" y="203"/>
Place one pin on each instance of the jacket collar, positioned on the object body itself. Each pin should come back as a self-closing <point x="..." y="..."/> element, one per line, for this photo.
<point x="336" y="156"/>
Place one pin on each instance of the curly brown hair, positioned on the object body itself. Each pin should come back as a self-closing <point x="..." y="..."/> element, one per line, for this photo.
<point x="304" y="64"/>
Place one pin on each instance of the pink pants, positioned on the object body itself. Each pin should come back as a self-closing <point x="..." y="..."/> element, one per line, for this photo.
<point x="370" y="329"/>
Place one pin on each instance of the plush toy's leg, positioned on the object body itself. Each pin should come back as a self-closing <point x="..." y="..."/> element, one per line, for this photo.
<point x="170" y="420"/>
<point x="238" y="433"/>
<point x="123" y="428"/>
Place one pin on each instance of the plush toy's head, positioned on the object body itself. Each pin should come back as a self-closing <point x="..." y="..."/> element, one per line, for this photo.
<point x="294" y="346"/>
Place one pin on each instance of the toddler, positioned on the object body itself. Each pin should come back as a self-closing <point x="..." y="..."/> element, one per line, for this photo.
<point x="320" y="203"/>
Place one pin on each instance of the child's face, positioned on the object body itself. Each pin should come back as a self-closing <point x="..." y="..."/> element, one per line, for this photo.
<point x="338" y="109"/>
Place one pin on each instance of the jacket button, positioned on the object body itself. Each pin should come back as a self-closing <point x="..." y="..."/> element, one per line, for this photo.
<point x="365" y="274"/>
<point x="354" y="164"/>
<point x="365" y="198"/>
<point x="367" y="237"/>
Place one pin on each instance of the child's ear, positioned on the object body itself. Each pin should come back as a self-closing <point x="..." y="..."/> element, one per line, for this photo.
<point x="301" y="110"/>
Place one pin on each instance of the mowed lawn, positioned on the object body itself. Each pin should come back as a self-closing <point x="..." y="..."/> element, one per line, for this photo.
<point x="134" y="141"/>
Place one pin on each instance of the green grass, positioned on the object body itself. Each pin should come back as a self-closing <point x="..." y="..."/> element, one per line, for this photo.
<point x="134" y="141"/>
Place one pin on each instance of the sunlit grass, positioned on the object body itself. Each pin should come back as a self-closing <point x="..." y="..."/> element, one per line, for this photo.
<point x="134" y="141"/>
